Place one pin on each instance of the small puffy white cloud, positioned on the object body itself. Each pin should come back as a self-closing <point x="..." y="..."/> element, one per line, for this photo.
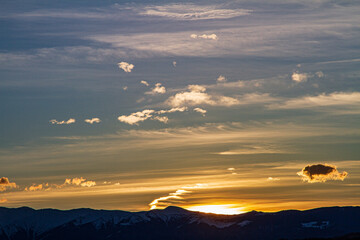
<point x="137" y="117"/>
<point x="92" y="120"/>
<point x="174" y="63"/>
<point x="70" y="121"/>
<point x="158" y="89"/>
<point x="320" y="74"/>
<point x="205" y="36"/>
<point x="144" y="82"/>
<point x="299" y="77"/>
<point x="127" y="67"/>
<point x="200" y="110"/>
<point x="221" y="78"/>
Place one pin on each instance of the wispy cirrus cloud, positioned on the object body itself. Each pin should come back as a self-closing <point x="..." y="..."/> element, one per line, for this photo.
<point x="193" y="12"/>
<point x="321" y="100"/>
<point x="177" y="196"/>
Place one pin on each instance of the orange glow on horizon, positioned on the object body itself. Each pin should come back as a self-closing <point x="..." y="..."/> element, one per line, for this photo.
<point x="227" y="209"/>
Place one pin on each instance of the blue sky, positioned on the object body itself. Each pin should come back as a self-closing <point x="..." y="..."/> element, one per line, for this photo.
<point x="224" y="101"/>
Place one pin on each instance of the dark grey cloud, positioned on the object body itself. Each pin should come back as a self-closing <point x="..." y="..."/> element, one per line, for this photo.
<point x="6" y="184"/>
<point x="321" y="173"/>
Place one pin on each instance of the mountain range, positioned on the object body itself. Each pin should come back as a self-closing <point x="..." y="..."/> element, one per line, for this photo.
<point x="174" y="223"/>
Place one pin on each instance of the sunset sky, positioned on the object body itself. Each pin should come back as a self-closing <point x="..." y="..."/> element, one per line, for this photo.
<point x="136" y="105"/>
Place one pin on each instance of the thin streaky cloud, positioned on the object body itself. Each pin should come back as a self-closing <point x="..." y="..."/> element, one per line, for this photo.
<point x="145" y="83"/>
<point x="321" y="100"/>
<point x="193" y="12"/>
<point x="212" y="36"/>
<point x="66" y="122"/>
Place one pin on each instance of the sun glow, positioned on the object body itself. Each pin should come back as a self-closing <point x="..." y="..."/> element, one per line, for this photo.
<point x="228" y="209"/>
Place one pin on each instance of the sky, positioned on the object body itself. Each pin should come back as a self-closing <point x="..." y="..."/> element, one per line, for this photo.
<point x="231" y="106"/>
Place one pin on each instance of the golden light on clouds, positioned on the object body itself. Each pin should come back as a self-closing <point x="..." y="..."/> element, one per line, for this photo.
<point x="321" y="173"/>
<point x="228" y="209"/>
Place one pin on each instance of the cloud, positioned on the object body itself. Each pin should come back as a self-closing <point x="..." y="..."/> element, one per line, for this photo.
<point x="193" y="12"/>
<point x="232" y="170"/>
<point x="176" y="196"/>
<point x="125" y="88"/>
<point x="174" y="63"/>
<point x="197" y="96"/>
<point x="6" y="184"/>
<point x="34" y="188"/>
<point x="70" y="121"/>
<point x="321" y="100"/>
<point x="200" y="110"/>
<point x="93" y="120"/>
<point x="158" y="89"/>
<point x="137" y="117"/>
<point x="253" y="149"/>
<point x="79" y="182"/>
<point x="204" y="36"/>
<point x="176" y="109"/>
<point x="3" y="200"/>
<point x="321" y="173"/>
<point x="299" y="77"/>
<point x="145" y="83"/>
<point x="320" y="74"/>
<point x="221" y="78"/>
<point x="127" y="67"/>
<point x="163" y="119"/>
<point x="272" y="179"/>
<point x="88" y="184"/>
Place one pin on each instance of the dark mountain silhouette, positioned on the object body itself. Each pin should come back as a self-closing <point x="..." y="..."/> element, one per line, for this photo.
<point x="174" y="223"/>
